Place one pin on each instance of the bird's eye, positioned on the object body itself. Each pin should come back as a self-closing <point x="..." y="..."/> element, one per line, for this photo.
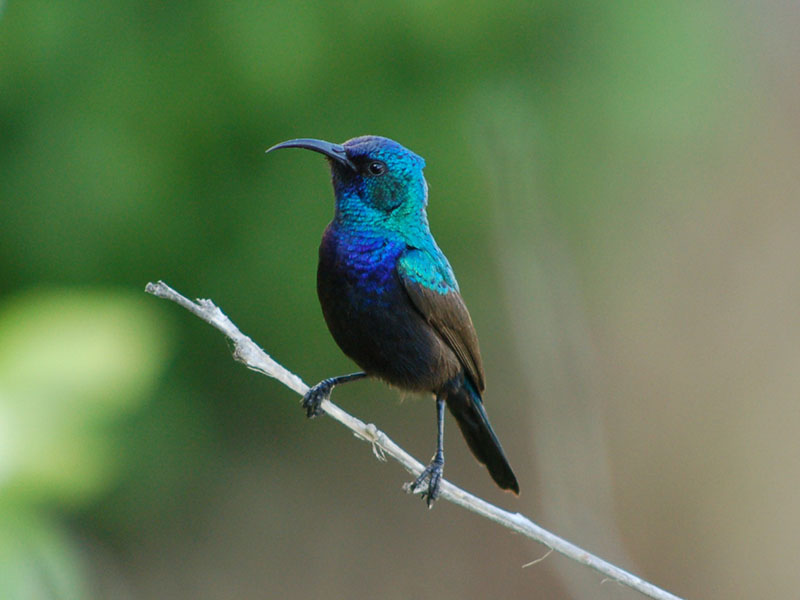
<point x="376" y="168"/>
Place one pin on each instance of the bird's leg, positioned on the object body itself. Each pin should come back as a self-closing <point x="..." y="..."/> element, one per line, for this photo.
<point x="433" y="472"/>
<point x="322" y="391"/>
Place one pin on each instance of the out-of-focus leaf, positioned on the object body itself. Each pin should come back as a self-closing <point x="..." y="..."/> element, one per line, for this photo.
<point x="70" y="361"/>
<point x="37" y="561"/>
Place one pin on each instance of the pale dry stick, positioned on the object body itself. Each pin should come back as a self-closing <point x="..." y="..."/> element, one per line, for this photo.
<point x="252" y="356"/>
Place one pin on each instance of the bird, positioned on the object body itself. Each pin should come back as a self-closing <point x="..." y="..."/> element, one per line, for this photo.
<point x="391" y="300"/>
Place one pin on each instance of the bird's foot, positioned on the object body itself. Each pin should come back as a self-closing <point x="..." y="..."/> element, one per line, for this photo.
<point x="314" y="397"/>
<point x="322" y="391"/>
<point x="433" y="475"/>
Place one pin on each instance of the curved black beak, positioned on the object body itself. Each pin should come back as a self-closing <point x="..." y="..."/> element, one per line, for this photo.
<point x="333" y="151"/>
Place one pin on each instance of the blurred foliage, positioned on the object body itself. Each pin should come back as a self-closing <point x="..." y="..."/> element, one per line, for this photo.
<point x="131" y="149"/>
<point x="37" y="559"/>
<point x="72" y="363"/>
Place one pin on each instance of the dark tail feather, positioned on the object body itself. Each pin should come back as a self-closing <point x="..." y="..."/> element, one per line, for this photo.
<point x="466" y="406"/>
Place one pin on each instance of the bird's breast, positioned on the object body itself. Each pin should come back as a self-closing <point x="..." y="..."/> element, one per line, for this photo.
<point x="370" y="315"/>
<point x="359" y="269"/>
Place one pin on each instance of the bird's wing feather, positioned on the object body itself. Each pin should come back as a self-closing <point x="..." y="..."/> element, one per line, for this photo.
<point x="434" y="293"/>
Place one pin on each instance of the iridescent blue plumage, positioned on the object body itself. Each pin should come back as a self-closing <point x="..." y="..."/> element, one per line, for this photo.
<point x="390" y="298"/>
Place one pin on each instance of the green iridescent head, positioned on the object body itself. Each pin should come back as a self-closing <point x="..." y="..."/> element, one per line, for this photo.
<point x="373" y="177"/>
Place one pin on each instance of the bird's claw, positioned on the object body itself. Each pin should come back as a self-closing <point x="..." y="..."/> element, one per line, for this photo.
<point x="314" y="397"/>
<point x="433" y="475"/>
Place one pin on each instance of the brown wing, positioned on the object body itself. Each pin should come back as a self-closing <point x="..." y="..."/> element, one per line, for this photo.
<point x="441" y="305"/>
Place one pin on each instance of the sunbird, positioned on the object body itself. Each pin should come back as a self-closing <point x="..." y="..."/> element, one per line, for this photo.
<point x="391" y="301"/>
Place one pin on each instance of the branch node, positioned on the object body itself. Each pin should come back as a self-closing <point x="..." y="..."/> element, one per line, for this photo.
<point x="377" y="449"/>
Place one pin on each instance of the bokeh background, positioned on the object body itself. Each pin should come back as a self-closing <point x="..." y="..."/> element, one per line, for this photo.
<point x="617" y="187"/>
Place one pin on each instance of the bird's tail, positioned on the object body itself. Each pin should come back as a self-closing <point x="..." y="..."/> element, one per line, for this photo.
<point x="466" y="406"/>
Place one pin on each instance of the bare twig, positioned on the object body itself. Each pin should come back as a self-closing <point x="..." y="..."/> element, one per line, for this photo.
<point x="252" y="356"/>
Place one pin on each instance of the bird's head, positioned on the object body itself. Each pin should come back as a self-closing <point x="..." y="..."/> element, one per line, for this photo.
<point x="375" y="179"/>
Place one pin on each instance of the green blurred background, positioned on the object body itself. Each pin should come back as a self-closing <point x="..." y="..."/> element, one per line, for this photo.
<point x="616" y="185"/>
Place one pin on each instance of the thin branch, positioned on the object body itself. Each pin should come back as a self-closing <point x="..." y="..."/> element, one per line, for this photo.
<point x="253" y="357"/>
